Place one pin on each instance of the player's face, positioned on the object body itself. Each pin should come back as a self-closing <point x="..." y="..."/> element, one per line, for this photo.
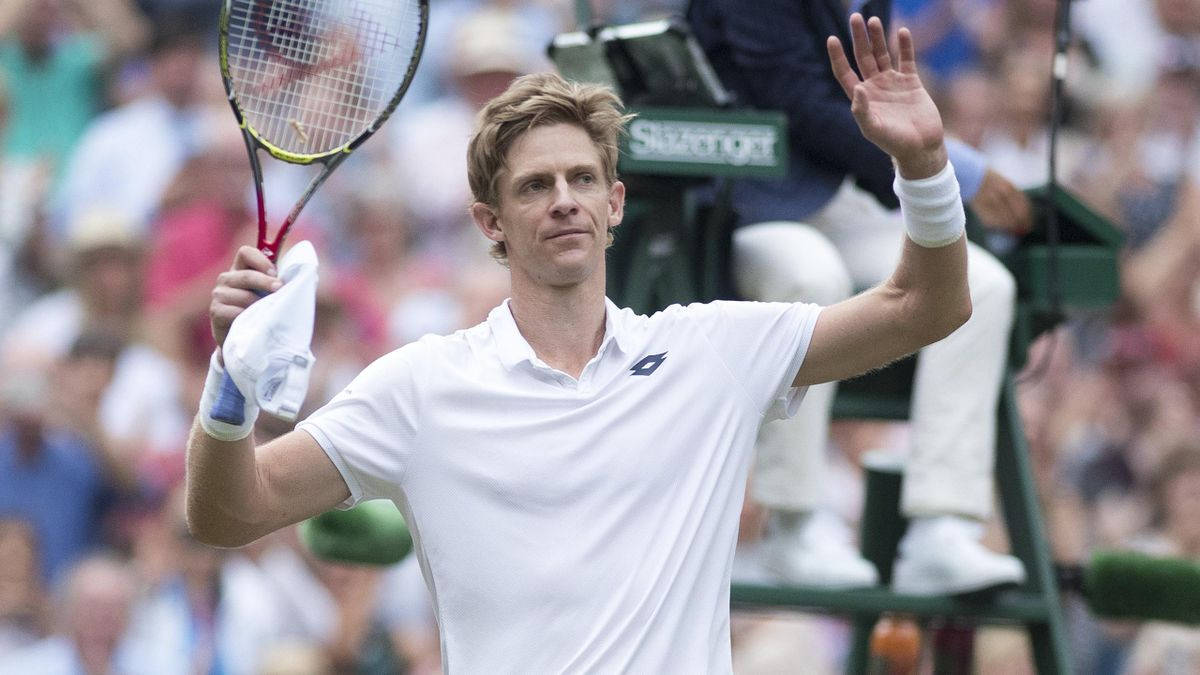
<point x="556" y="206"/>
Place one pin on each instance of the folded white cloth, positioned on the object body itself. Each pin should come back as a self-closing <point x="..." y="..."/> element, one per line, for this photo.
<point x="267" y="349"/>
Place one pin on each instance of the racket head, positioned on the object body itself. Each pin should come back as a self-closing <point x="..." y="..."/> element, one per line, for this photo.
<point x="309" y="80"/>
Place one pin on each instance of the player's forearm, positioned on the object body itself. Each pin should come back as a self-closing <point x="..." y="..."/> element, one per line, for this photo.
<point x="222" y="490"/>
<point x="932" y="285"/>
<point x="931" y="277"/>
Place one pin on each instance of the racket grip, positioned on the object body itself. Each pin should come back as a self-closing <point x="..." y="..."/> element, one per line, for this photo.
<point x="230" y="406"/>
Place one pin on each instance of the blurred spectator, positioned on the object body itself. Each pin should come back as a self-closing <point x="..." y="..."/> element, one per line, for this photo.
<point x="92" y="614"/>
<point x="176" y="623"/>
<point x="24" y="608"/>
<point x="203" y="219"/>
<point x="54" y="54"/>
<point x="406" y="611"/>
<point x="1160" y="647"/>
<point x="128" y="156"/>
<point x="539" y="21"/>
<point x="1136" y="172"/>
<point x="276" y="600"/>
<point x="49" y="476"/>
<point x="945" y="33"/>
<point x="141" y="406"/>
<point x="430" y="142"/>
<point x="1017" y="144"/>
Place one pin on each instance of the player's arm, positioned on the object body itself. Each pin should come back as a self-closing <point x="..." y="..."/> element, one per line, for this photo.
<point x="927" y="297"/>
<point x="236" y="492"/>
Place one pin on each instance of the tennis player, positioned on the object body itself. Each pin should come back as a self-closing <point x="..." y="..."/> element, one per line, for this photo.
<point x="573" y="472"/>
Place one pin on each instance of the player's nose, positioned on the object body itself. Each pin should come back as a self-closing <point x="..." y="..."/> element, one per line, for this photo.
<point x="565" y="203"/>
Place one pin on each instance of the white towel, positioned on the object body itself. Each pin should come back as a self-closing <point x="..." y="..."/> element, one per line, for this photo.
<point x="267" y="349"/>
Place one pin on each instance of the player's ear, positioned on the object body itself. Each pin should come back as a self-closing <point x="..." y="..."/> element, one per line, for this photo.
<point x="616" y="203"/>
<point x="486" y="220"/>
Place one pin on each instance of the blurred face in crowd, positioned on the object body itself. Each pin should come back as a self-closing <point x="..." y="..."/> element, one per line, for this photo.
<point x="110" y="279"/>
<point x="37" y="25"/>
<point x="1176" y="105"/>
<point x="99" y="595"/>
<point x="221" y="171"/>
<point x="479" y="88"/>
<point x="1025" y="90"/>
<point x="970" y="106"/>
<point x="381" y="231"/>
<point x="24" y="389"/>
<point x="177" y="71"/>
<point x="87" y="375"/>
<point x="1181" y="497"/>
<point x="1181" y="17"/>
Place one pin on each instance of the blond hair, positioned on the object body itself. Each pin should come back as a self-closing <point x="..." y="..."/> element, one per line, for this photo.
<point x="537" y="100"/>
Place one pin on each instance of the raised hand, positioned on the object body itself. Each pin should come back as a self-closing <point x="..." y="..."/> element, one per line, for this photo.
<point x="890" y="104"/>
<point x="251" y="277"/>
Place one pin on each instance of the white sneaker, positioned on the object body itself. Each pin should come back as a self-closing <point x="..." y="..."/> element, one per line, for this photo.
<point x="941" y="555"/>
<point x="816" y="551"/>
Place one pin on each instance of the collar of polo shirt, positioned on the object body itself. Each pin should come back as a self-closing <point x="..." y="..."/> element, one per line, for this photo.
<point x="514" y="349"/>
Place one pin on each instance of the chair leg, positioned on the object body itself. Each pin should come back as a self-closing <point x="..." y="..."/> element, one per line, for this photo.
<point x="1027" y="536"/>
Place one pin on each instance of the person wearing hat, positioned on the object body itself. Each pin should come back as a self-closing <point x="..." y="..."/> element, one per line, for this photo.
<point x="104" y="272"/>
<point x="429" y="144"/>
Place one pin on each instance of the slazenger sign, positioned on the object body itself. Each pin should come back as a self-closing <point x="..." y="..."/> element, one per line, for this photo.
<point x="722" y="144"/>
<point x="735" y="144"/>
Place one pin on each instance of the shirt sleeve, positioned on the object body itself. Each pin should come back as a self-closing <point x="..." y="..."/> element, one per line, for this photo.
<point x="762" y="344"/>
<point x="369" y="429"/>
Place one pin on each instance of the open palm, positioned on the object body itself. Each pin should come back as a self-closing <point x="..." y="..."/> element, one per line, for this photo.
<point x="890" y="104"/>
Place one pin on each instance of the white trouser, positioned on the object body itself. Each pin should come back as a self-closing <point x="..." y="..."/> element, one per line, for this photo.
<point x="853" y="241"/>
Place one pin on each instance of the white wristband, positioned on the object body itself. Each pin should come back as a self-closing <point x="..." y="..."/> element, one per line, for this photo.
<point x="223" y="431"/>
<point x="932" y="208"/>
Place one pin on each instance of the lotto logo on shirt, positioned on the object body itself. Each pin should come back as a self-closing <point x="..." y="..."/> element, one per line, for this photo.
<point x="648" y="365"/>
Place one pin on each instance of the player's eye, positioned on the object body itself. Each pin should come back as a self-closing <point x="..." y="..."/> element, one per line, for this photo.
<point x="585" y="178"/>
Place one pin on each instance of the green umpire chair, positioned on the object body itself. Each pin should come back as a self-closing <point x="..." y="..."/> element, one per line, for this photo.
<point x="671" y="250"/>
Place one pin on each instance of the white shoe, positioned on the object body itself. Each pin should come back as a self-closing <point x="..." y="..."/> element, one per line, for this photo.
<point x="941" y="555"/>
<point x="816" y="551"/>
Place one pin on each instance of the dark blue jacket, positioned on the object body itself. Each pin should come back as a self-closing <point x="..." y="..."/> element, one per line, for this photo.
<point x="771" y="53"/>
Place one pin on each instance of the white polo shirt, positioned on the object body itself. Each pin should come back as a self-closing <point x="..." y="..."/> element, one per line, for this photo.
<point x="570" y="525"/>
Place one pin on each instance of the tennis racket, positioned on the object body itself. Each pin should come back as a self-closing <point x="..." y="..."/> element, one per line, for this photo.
<point x="309" y="81"/>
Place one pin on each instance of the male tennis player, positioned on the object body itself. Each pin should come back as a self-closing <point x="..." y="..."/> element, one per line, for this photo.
<point x="573" y="472"/>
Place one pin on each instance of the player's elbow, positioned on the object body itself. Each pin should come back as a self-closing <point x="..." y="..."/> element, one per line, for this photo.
<point x="949" y="318"/>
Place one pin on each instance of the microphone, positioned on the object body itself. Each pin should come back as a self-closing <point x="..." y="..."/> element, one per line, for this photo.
<point x="371" y="533"/>
<point x="1130" y="585"/>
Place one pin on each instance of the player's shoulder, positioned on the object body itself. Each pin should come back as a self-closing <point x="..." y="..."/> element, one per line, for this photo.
<point x="695" y="311"/>
<point x="733" y="315"/>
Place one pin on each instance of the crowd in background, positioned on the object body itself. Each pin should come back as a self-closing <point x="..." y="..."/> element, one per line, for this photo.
<point x="125" y="190"/>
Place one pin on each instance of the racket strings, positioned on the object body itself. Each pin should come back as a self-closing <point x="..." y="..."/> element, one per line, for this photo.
<point x="311" y="75"/>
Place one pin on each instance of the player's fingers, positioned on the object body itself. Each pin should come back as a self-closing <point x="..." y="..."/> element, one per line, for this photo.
<point x="861" y="44"/>
<point x="250" y="258"/>
<point x="907" y="53"/>
<point x="860" y="107"/>
<point x="842" y="71"/>
<point x="222" y="316"/>
<point x="879" y="47"/>
<point x="236" y="297"/>
<point x="251" y="280"/>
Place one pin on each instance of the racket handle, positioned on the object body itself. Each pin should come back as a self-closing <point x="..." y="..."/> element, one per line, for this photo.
<point x="230" y="407"/>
